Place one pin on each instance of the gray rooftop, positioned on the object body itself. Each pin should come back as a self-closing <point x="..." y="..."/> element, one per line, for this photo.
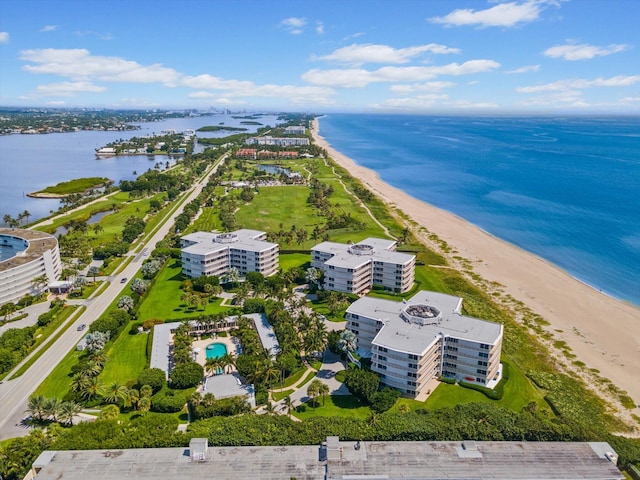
<point x="243" y="239"/>
<point x="39" y="242"/>
<point x="381" y="252"/>
<point x="372" y="460"/>
<point x="229" y="385"/>
<point x="402" y="335"/>
<point x="265" y="332"/>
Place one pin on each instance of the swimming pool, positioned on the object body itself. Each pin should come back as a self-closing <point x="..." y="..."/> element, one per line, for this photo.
<point x="216" y="350"/>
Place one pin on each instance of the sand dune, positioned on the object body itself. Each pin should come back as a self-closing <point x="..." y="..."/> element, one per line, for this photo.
<point x="603" y="332"/>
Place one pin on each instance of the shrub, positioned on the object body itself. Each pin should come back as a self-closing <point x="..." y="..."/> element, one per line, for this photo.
<point x="384" y="400"/>
<point x="253" y="305"/>
<point x="167" y="401"/>
<point x="362" y="383"/>
<point x="153" y="377"/>
<point x="187" y="375"/>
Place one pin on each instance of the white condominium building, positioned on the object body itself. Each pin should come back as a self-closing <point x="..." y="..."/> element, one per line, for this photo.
<point x="207" y="253"/>
<point x="414" y="341"/>
<point x="294" y="130"/>
<point x="359" y="267"/>
<point x="24" y="256"/>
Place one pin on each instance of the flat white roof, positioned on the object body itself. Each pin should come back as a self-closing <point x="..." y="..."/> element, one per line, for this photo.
<point x="381" y="252"/>
<point x="209" y="242"/>
<point x="401" y="335"/>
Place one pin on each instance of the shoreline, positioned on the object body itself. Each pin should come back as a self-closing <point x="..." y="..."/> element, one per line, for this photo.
<point x="602" y="331"/>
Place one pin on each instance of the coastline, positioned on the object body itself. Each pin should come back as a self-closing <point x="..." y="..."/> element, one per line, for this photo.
<point x="602" y="331"/>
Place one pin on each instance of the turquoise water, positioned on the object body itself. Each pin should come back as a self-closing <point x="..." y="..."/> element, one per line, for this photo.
<point x="216" y="350"/>
<point x="564" y="188"/>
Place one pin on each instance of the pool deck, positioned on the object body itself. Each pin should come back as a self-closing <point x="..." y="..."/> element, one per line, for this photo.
<point x="200" y="347"/>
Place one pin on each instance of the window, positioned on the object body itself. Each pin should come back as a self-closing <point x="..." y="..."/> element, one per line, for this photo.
<point x="411" y="384"/>
<point x="413" y="365"/>
<point x="482" y="364"/>
<point x="355" y="315"/>
<point x="412" y="374"/>
<point x="355" y="324"/>
<point x="382" y="349"/>
<point x="413" y="357"/>
<point x="481" y="372"/>
<point x="382" y="357"/>
<point x="485" y="346"/>
<point x="483" y="355"/>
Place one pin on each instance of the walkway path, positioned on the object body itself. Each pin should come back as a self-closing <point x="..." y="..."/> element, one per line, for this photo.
<point x="362" y="204"/>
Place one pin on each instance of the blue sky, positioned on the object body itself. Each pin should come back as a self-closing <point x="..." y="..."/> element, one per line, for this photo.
<point x="455" y="56"/>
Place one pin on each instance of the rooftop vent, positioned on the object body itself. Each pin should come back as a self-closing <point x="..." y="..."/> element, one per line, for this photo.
<point x="226" y="238"/>
<point x="421" y="314"/>
<point x="361" y="249"/>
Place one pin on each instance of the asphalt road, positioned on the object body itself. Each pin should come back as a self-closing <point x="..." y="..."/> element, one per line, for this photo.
<point x="14" y="394"/>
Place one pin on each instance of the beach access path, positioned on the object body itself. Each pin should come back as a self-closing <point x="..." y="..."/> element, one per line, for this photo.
<point x="602" y="331"/>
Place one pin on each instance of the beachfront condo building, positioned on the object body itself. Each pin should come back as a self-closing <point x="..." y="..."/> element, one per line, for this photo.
<point x="208" y="253"/>
<point x="414" y="341"/>
<point x="294" y="130"/>
<point x="357" y="268"/>
<point x="25" y="256"/>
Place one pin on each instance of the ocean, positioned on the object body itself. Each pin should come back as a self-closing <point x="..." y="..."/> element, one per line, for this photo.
<point x="564" y="188"/>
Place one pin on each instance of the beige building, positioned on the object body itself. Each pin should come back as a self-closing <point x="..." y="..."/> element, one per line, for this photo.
<point x="359" y="267"/>
<point x="413" y="341"/>
<point x="208" y="253"/>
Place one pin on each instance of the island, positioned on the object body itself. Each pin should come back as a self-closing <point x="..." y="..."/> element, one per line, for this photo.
<point x="64" y="189"/>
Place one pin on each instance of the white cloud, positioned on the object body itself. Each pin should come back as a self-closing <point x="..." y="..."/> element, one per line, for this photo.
<point x="101" y="36"/>
<point x="358" y="77"/>
<point x="421" y="87"/>
<point x="4" y="37"/>
<point x="582" y="51"/>
<point x="432" y="102"/>
<point x="357" y="54"/>
<point x="509" y="14"/>
<point x="201" y="94"/>
<point x="294" y="25"/>
<point x="570" y="98"/>
<point x="319" y="28"/>
<point x="66" y="89"/>
<point x="580" y="83"/>
<point x="80" y="65"/>
<point x="49" y="28"/>
<point x="525" y="69"/>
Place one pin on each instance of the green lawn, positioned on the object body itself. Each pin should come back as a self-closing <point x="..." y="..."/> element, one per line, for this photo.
<point x="163" y="300"/>
<point x="334" y="406"/>
<point x="294" y="260"/>
<point x="127" y="357"/>
<point x="58" y="382"/>
<point x="518" y="392"/>
<point x="277" y="396"/>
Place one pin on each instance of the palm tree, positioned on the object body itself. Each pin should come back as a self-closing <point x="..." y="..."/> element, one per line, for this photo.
<point x="133" y="396"/>
<point x="323" y="390"/>
<point x="146" y="391"/>
<point x="287" y="403"/>
<point x="26" y="214"/>
<point x="79" y="382"/>
<point x="68" y="410"/>
<point x="93" y="272"/>
<point x="404" y="408"/>
<point x="35" y="407"/>
<point x="227" y="360"/>
<point x="115" y="392"/>
<point x="232" y="276"/>
<point x="98" y="357"/>
<point x="212" y="365"/>
<point x="52" y="408"/>
<point x="144" y="404"/>
<point x="94" y="388"/>
<point x="313" y="391"/>
<point x="97" y="228"/>
<point x="110" y="412"/>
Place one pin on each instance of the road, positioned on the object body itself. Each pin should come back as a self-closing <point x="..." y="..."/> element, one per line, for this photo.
<point x="14" y="394"/>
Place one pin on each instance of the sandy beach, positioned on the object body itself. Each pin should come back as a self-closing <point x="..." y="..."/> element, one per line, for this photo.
<point x="602" y="331"/>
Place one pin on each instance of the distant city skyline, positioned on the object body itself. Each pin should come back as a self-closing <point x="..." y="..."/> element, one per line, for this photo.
<point x="459" y="56"/>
